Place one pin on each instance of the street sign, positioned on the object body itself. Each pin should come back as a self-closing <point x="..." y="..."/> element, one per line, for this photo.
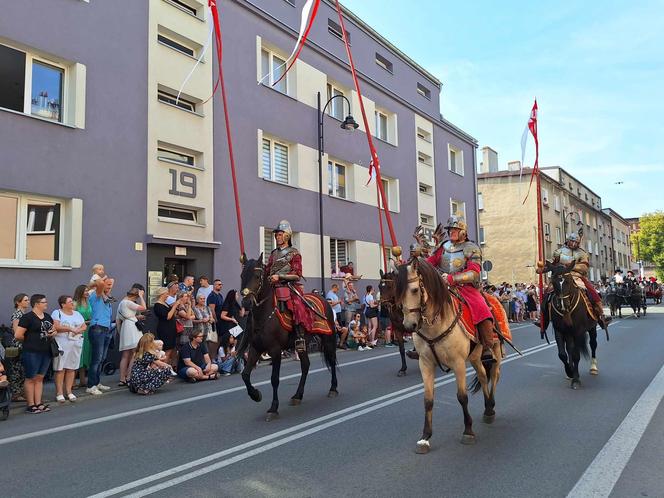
<point x="487" y="265"/>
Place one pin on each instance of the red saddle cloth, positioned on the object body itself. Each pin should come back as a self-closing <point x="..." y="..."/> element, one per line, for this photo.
<point x="497" y="310"/>
<point x="320" y="326"/>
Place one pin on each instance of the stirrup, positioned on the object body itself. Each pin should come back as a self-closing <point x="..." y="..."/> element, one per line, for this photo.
<point x="300" y="345"/>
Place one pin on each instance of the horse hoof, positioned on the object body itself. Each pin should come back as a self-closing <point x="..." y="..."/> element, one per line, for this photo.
<point x="402" y="373"/>
<point x="271" y="416"/>
<point x="594" y="371"/>
<point x="468" y="439"/>
<point x="256" y="396"/>
<point x="575" y="384"/>
<point x="332" y="394"/>
<point x="295" y="402"/>
<point x="422" y="447"/>
<point x="488" y="419"/>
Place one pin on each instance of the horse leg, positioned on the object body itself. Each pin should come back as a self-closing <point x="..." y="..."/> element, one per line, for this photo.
<point x="593" y="348"/>
<point x="428" y="370"/>
<point x="575" y="358"/>
<point x="304" y="366"/>
<point x="459" y="368"/>
<point x="562" y="354"/>
<point x="273" y="412"/>
<point x="402" y="353"/>
<point x="252" y="359"/>
<point x="476" y="361"/>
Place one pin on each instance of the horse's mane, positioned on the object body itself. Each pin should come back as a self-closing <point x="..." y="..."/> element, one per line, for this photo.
<point x="435" y="287"/>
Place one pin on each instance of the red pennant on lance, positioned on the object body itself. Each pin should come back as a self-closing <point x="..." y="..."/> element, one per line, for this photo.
<point x="532" y="126"/>
<point x="309" y="12"/>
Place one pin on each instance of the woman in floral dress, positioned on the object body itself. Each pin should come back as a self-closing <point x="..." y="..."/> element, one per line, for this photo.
<point x="148" y="373"/>
<point x="83" y="307"/>
<point x="15" y="372"/>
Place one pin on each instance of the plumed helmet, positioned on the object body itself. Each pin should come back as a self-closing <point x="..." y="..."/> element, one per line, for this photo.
<point x="284" y="226"/>
<point x="457" y="222"/>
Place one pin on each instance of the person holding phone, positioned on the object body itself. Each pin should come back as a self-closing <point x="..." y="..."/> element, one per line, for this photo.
<point x="166" y="319"/>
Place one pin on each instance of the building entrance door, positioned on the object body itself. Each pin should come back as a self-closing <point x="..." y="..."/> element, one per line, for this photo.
<point x="179" y="267"/>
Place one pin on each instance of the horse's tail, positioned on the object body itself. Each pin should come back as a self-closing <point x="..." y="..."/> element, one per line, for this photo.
<point x="582" y="345"/>
<point x="329" y="342"/>
<point x="475" y="386"/>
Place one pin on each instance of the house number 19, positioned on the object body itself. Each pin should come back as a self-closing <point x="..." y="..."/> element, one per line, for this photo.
<point x="186" y="187"/>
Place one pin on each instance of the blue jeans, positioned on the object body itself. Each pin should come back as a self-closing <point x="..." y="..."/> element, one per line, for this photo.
<point x="231" y="365"/>
<point x="100" y="338"/>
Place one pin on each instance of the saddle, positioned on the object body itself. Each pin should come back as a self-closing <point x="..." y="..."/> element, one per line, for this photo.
<point x="499" y="316"/>
<point x="320" y="326"/>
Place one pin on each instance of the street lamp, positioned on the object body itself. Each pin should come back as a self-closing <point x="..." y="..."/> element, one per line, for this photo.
<point x="347" y="124"/>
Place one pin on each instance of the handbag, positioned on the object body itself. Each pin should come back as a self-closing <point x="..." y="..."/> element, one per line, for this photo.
<point x="55" y="349"/>
<point x="179" y="326"/>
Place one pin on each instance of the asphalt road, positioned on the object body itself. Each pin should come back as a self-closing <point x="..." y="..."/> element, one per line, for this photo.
<point x="210" y="439"/>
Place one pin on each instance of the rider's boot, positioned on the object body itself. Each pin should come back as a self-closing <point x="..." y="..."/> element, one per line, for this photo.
<point x="300" y="344"/>
<point x="543" y="324"/>
<point x="602" y="320"/>
<point x="485" y="332"/>
<point x="413" y="354"/>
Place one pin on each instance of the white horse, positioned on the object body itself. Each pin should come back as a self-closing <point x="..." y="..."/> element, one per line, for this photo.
<point x="433" y="314"/>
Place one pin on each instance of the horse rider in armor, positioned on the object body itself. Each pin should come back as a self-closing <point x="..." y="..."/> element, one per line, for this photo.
<point x="284" y="269"/>
<point x="460" y="261"/>
<point x="572" y="252"/>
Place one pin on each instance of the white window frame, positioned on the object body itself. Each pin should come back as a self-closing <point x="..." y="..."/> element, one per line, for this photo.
<point x="423" y="135"/>
<point x="274" y="142"/>
<point x="271" y="66"/>
<point x="331" y="88"/>
<point x="386" y="188"/>
<point x="334" y="254"/>
<point x="480" y="201"/>
<point x="459" y="154"/>
<point x="559" y="235"/>
<point x="197" y="162"/>
<point x="22" y="221"/>
<point x="482" y="235"/>
<point x="424" y="158"/>
<point x="460" y="204"/>
<point x="378" y="116"/>
<point x="547" y="232"/>
<point x="425" y="188"/>
<point x="545" y="197"/>
<point x="556" y="203"/>
<point x="333" y="180"/>
<point x="427" y="219"/>
<point x="197" y="221"/>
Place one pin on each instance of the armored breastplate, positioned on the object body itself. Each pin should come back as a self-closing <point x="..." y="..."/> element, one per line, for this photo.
<point x="453" y="259"/>
<point x="281" y="259"/>
<point x="568" y="256"/>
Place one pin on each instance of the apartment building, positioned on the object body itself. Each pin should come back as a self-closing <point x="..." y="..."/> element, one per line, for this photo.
<point x="508" y="226"/>
<point x="105" y="162"/>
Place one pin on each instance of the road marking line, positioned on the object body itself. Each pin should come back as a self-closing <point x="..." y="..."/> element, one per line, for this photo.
<point x="139" y="411"/>
<point x="603" y="473"/>
<point x="337" y="417"/>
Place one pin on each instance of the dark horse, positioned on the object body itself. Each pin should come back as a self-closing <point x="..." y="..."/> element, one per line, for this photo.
<point x="634" y="297"/>
<point x="387" y="289"/>
<point x="570" y="320"/>
<point x="614" y="298"/>
<point x="265" y="334"/>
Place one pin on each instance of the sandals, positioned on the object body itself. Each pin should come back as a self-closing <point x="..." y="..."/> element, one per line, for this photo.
<point x="43" y="408"/>
<point x="123" y="383"/>
<point x="32" y="409"/>
<point x="213" y="376"/>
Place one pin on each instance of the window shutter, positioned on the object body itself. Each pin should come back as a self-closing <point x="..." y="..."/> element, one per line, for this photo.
<point x="281" y="163"/>
<point x="268" y="242"/>
<point x="266" y="160"/>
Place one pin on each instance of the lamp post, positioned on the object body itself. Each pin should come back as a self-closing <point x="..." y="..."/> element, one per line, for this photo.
<point x="347" y="124"/>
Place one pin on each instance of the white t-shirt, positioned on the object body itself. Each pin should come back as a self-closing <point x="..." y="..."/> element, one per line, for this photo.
<point x="205" y="291"/>
<point x="170" y="300"/>
<point x="74" y="320"/>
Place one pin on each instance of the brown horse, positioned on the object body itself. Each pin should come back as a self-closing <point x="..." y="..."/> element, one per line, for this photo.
<point x="387" y="288"/>
<point x="264" y="333"/>
<point x="430" y="312"/>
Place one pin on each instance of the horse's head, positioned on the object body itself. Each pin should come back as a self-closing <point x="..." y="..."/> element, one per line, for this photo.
<point x="559" y="274"/>
<point x="388" y="287"/>
<point x="252" y="280"/>
<point x="420" y="292"/>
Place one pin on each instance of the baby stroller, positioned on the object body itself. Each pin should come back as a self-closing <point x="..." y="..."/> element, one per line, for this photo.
<point x="5" y="401"/>
<point x="5" y="392"/>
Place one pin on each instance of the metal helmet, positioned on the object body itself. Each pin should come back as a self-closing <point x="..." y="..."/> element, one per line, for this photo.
<point x="457" y="222"/>
<point x="573" y="237"/>
<point x="285" y="227"/>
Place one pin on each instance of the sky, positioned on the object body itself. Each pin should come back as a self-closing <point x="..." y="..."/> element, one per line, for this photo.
<point x="595" y="67"/>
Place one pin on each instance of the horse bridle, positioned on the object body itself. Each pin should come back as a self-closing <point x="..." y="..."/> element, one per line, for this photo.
<point x="562" y="299"/>
<point x="259" y="271"/>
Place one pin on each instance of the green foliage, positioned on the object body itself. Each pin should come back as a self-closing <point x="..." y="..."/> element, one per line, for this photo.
<point x="648" y="243"/>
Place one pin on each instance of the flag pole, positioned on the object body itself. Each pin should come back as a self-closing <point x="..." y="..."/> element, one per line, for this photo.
<point x="540" y="252"/>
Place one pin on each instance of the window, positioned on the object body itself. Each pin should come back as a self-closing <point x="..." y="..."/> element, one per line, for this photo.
<point x="184" y="6"/>
<point x="338" y="253"/>
<point x="423" y="135"/>
<point x="590" y="246"/>
<point x="426" y="219"/>
<point x="12" y="74"/>
<point x="458" y="208"/>
<point x="386" y="188"/>
<point x="335" y="30"/>
<point x="480" y="201"/>
<point x="456" y="160"/>
<point x="172" y="156"/>
<point x="426" y="189"/>
<point x="424" y="158"/>
<point x="176" y="45"/>
<point x="423" y="91"/>
<point x="336" y="107"/>
<point x="31" y="230"/>
<point x="592" y="274"/>
<point x="272" y="68"/>
<point x="482" y="240"/>
<point x="381" y="126"/>
<point x="268" y="242"/>
<point x="545" y="197"/>
<point x="178" y="214"/>
<point x="46" y="96"/>
<point x="559" y="235"/>
<point x="384" y="63"/>
<point x="547" y="232"/>
<point x="275" y="161"/>
<point x="171" y="99"/>
<point x="556" y="203"/>
<point x="336" y="179"/>
<point x="596" y="249"/>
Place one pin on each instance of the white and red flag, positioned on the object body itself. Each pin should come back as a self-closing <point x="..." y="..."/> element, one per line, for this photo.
<point x="532" y="127"/>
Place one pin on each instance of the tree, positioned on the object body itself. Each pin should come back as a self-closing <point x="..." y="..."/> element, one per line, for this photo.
<point x="648" y="242"/>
